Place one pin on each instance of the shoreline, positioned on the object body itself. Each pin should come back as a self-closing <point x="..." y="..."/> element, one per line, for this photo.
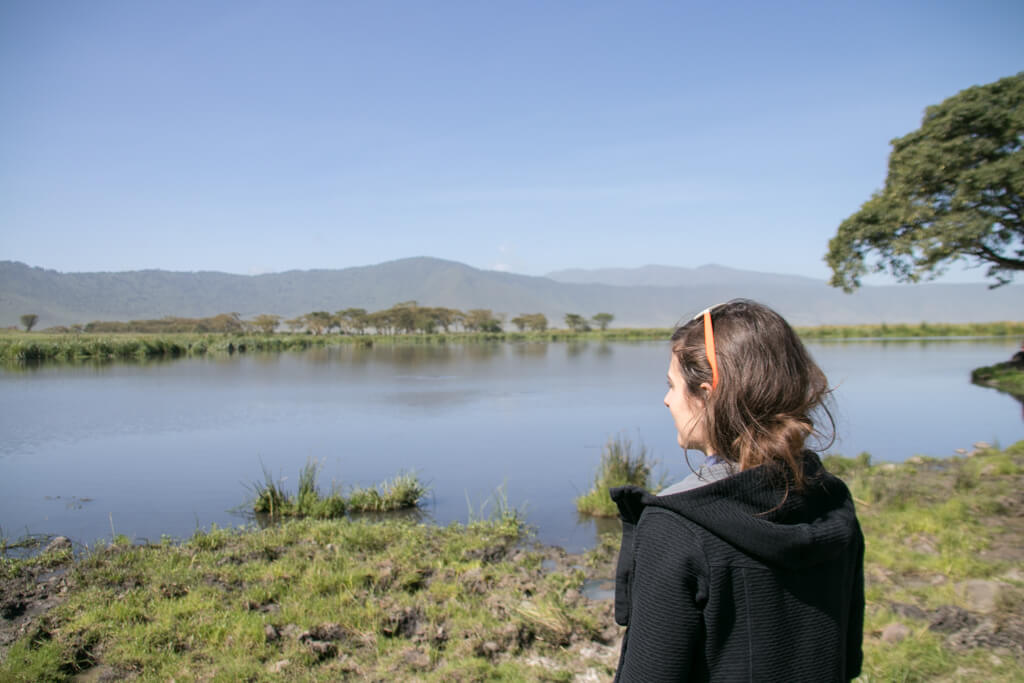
<point x="319" y="600"/>
<point x="32" y="348"/>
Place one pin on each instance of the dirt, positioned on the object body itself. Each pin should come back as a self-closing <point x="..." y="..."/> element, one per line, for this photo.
<point x="27" y="597"/>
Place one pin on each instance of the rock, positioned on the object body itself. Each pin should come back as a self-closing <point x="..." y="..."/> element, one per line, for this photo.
<point x="402" y="622"/>
<point x="416" y="658"/>
<point x="290" y="631"/>
<point x="59" y="543"/>
<point x="321" y="649"/>
<point x="895" y="633"/>
<point x="571" y="596"/>
<point x="915" y="460"/>
<point x="327" y="632"/>
<point x="950" y="618"/>
<point x="474" y="581"/>
<point x="980" y="595"/>
<point x="278" y="666"/>
<point x="1014" y="574"/>
<point x="490" y="648"/>
<point x="926" y="544"/>
<point x="908" y="611"/>
<point x="270" y="633"/>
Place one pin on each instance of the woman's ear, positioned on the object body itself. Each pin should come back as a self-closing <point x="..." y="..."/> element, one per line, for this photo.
<point x="706" y="388"/>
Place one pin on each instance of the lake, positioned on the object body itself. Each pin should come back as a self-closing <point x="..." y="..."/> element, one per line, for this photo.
<point x="167" y="447"/>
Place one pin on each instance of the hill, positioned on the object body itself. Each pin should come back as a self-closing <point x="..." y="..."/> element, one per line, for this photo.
<point x="654" y="296"/>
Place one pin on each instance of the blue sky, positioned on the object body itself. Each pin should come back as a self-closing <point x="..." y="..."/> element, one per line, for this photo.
<point x="254" y="137"/>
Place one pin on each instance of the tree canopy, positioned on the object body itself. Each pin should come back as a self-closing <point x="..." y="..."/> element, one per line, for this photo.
<point x="954" y="191"/>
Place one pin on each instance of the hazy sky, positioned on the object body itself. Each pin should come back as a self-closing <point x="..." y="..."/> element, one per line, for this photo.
<point x="253" y="136"/>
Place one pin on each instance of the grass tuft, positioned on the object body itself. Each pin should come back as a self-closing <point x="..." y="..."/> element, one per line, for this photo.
<point x="620" y="466"/>
<point x="401" y="493"/>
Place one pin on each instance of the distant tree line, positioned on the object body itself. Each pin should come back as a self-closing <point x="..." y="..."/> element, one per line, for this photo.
<point x="407" y="317"/>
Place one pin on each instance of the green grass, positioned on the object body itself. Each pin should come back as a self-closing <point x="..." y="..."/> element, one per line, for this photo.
<point x="1008" y="377"/>
<point x="913" y="331"/>
<point x="315" y="600"/>
<point x="397" y="600"/>
<point x="929" y="525"/>
<point x="403" y="492"/>
<point x="621" y="464"/>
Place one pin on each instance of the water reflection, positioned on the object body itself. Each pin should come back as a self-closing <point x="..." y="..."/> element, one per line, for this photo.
<point x="133" y="436"/>
<point x="531" y="349"/>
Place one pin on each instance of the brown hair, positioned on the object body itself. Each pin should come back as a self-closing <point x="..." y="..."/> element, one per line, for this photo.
<point x="770" y="391"/>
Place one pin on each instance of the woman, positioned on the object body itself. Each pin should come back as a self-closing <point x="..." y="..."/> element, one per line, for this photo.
<point x="750" y="569"/>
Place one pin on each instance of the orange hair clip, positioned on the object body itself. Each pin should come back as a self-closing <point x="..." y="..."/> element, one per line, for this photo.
<point x="709" y="347"/>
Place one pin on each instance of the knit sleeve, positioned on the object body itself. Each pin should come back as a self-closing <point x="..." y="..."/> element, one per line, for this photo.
<point x="666" y="630"/>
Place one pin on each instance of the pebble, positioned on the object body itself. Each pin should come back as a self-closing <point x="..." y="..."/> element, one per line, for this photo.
<point x="895" y="633"/>
<point x="278" y="666"/>
<point x="980" y="595"/>
<point x="59" y="543"/>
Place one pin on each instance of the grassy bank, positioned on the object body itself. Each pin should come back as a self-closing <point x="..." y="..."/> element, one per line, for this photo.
<point x="944" y="552"/>
<point x="327" y="600"/>
<point x="316" y="600"/>
<point x="35" y="347"/>
<point x="1008" y="377"/>
<point x="914" y="331"/>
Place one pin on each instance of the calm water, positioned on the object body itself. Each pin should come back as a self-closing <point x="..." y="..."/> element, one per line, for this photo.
<point x="164" y="448"/>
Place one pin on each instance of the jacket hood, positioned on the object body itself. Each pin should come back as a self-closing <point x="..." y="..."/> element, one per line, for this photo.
<point x="760" y="512"/>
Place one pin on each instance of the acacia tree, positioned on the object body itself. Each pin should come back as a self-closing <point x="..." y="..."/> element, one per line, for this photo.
<point x="576" y="322"/>
<point x="954" y="191"/>
<point x="482" y="320"/>
<point x="266" y="322"/>
<point x="602" y="320"/>
<point x="29" y="320"/>
<point x="352" y="320"/>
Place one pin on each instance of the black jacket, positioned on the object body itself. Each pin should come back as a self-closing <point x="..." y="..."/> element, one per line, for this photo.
<point x="741" y="581"/>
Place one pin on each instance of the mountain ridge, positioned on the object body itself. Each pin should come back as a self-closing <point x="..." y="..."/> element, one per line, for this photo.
<point x="68" y="298"/>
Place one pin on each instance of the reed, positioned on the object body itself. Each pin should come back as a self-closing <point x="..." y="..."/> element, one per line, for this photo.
<point x="403" y="492"/>
<point x="620" y="465"/>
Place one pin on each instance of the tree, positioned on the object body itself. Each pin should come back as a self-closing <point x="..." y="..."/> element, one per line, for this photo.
<point x="29" y="320"/>
<point x="954" y="191"/>
<point x="602" y="320"/>
<point x="481" y="320"/>
<point x="319" y="321"/>
<point x="266" y="322"/>
<point x="576" y="322"/>
<point x="353" y="320"/>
